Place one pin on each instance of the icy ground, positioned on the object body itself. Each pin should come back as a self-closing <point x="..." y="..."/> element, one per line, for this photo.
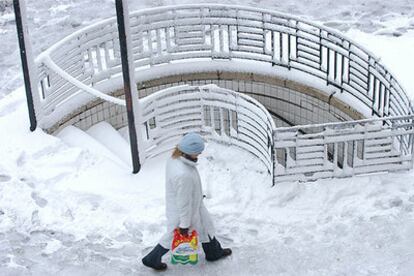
<point x="51" y="20"/>
<point x="67" y="211"/>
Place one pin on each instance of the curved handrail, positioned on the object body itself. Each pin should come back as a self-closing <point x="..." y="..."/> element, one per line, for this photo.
<point x="167" y="117"/>
<point x="48" y="61"/>
<point x="90" y="55"/>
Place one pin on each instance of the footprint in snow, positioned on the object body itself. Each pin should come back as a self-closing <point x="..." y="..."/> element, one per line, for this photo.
<point x="288" y="240"/>
<point x="94" y="237"/>
<point x="93" y="201"/>
<point x="28" y="182"/>
<point x="395" y="202"/>
<point x="9" y="108"/>
<point x="133" y="230"/>
<point x="35" y="218"/>
<point x="379" y="204"/>
<point x="4" y="178"/>
<point x="47" y="151"/>
<point x="253" y="232"/>
<point x="21" y="161"/>
<point x="225" y="238"/>
<point x="40" y="201"/>
<point x="408" y="208"/>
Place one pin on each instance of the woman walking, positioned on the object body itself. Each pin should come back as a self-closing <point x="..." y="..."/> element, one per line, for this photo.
<point x="185" y="209"/>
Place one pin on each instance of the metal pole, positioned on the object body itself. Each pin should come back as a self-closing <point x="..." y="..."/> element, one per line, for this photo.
<point x="26" y="57"/>
<point x="130" y="90"/>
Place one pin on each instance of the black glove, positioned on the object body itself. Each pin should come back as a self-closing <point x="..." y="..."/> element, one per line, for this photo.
<point x="183" y="231"/>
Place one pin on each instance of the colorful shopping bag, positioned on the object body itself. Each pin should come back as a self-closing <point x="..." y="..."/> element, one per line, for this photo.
<point x="184" y="248"/>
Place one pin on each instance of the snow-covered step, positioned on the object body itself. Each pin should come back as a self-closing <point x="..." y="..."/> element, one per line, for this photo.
<point x="108" y="136"/>
<point x="76" y="137"/>
<point x="124" y="133"/>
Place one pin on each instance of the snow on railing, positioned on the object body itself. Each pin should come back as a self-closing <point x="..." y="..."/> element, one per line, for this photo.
<point x="69" y="79"/>
<point x="219" y="114"/>
<point x="71" y="71"/>
<point x="183" y="33"/>
<point x="343" y="149"/>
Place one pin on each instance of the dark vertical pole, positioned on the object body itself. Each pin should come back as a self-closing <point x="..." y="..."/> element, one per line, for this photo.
<point x="25" y="55"/>
<point x="335" y="67"/>
<point x="126" y="72"/>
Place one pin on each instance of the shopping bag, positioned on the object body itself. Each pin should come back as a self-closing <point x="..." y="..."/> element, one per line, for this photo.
<point x="184" y="248"/>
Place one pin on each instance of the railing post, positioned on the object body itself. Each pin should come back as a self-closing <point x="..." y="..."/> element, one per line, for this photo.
<point x="130" y="89"/>
<point x="29" y="70"/>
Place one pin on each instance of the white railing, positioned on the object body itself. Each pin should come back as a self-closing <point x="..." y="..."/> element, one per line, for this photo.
<point x="219" y="114"/>
<point x="343" y="149"/>
<point x="178" y="39"/>
<point x="176" y="35"/>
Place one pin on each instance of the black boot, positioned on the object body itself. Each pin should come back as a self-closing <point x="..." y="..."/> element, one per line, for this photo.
<point x="213" y="250"/>
<point x="153" y="259"/>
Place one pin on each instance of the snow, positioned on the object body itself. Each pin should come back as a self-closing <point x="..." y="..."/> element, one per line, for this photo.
<point x="112" y="140"/>
<point x="67" y="209"/>
<point x="75" y="137"/>
<point x="51" y="20"/>
<point x="70" y="206"/>
<point x="49" y="120"/>
<point x="395" y="52"/>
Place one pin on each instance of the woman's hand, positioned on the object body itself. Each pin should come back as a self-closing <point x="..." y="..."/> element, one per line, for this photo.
<point x="183" y="231"/>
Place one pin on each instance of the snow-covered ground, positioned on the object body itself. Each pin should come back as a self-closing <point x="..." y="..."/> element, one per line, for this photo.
<point x="67" y="210"/>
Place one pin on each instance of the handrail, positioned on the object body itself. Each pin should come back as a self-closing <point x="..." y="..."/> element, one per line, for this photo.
<point x="246" y="39"/>
<point x="48" y="61"/>
<point x="202" y="109"/>
<point x="177" y="33"/>
<point x="307" y="153"/>
<point x="346" y="123"/>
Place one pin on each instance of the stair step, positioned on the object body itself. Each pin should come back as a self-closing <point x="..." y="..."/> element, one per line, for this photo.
<point x="111" y="139"/>
<point x="76" y="137"/>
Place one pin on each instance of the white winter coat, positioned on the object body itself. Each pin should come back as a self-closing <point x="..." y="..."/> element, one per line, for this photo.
<point x="184" y="201"/>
